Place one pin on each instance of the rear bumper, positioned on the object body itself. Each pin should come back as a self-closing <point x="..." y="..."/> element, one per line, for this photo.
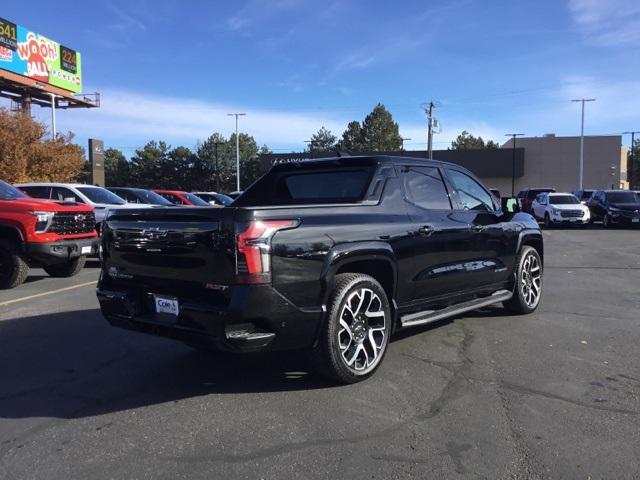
<point x="61" y="251"/>
<point x="255" y="318"/>
<point x="627" y="219"/>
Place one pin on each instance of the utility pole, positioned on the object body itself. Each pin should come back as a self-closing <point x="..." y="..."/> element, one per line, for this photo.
<point x="429" y="111"/>
<point x="513" y="161"/>
<point x="237" y="148"/>
<point x="215" y="147"/>
<point x="632" y="156"/>
<point x="581" y="175"/>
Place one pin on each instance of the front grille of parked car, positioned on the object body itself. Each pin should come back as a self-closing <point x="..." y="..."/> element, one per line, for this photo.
<point x="73" y="223"/>
<point x="571" y="213"/>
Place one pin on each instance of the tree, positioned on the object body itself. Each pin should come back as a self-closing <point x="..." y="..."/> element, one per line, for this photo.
<point x="117" y="171"/>
<point x="379" y="132"/>
<point x="26" y="155"/>
<point x="466" y="141"/>
<point x="250" y="168"/>
<point x="322" y="141"/>
<point x="352" y="138"/>
<point x="178" y="171"/>
<point x="148" y="165"/>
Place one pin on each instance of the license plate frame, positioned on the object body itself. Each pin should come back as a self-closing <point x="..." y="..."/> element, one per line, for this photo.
<point x="166" y="305"/>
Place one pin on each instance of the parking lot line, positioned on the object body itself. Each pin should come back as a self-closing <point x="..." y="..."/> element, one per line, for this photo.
<point x="50" y="292"/>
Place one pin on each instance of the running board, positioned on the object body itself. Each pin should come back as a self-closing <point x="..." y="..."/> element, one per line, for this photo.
<point x="428" y="316"/>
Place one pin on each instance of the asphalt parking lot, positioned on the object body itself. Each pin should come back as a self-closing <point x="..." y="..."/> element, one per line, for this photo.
<point x="552" y="395"/>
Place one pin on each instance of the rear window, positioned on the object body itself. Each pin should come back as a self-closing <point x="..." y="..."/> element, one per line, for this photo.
<point x="563" y="200"/>
<point x="195" y="200"/>
<point x="533" y="193"/>
<point x="311" y="183"/>
<point x="622" y="197"/>
<point x="101" y="195"/>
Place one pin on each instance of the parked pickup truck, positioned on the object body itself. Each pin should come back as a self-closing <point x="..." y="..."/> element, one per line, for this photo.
<point x="331" y="255"/>
<point x="57" y="236"/>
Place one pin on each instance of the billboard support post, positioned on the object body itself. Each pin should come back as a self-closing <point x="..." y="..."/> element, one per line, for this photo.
<point x="53" y="116"/>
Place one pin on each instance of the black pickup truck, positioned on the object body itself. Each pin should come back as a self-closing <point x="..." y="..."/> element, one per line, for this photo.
<point x="332" y="255"/>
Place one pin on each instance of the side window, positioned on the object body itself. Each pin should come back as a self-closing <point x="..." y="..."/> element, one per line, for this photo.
<point x="425" y="188"/>
<point x="471" y="194"/>
<point x="128" y="196"/>
<point x="37" y="192"/>
<point x="172" y="198"/>
<point x="61" y="193"/>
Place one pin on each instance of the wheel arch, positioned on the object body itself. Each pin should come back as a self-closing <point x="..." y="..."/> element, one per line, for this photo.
<point x="12" y="233"/>
<point x="371" y="258"/>
<point x="532" y="239"/>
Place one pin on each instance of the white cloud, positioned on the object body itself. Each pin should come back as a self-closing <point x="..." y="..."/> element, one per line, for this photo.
<point x="608" y="22"/>
<point x="126" y="116"/>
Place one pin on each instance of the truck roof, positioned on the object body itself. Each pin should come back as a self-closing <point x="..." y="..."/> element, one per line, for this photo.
<point x="389" y="159"/>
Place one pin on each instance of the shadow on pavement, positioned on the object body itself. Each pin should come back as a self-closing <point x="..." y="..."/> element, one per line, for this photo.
<point x="73" y="365"/>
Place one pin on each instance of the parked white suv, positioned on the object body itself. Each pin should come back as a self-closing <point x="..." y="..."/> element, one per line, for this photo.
<point x="99" y="198"/>
<point x="560" y="208"/>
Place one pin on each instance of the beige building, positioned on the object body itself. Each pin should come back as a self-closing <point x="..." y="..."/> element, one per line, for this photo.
<point x="551" y="161"/>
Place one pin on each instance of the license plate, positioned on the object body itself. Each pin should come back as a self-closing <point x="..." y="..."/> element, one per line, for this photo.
<point x="85" y="250"/>
<point x="166" y="305"/>
<point x="636" y="220"/>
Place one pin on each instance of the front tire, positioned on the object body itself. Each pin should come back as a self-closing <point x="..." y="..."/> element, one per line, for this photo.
<point x="528" y="288"/>
<point x="67" y="269"/>
<point x="13" y="266"/>
<point x="355" y="336"/>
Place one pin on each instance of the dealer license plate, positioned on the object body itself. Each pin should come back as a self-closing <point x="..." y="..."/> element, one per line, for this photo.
<point x="166" y="305"/>
<point x="85" y="250"/>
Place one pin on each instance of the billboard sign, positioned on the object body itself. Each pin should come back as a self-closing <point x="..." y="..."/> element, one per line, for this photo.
<point x="31" y="55"/>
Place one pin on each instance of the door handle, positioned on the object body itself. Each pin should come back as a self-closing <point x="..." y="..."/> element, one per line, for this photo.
<point x="426" y="230"/>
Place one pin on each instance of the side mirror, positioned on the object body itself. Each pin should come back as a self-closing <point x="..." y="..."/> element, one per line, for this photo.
<point x="510" y="205"/>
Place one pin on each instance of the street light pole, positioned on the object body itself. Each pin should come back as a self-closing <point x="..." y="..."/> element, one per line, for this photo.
<point x="513" y="161"/>
<point x="581" y="175"/>
<point x="633" y="138"/>
<point x="237" y="148"/>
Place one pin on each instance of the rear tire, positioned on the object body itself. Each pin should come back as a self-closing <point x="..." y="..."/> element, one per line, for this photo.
<point x="13" y="266"/>
<point x="67" y="269"/>
<point x="355" y="336"/>
<point x="528" y="288"/>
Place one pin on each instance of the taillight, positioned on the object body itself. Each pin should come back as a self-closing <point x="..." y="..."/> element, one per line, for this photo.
<point x="253" y="263"/>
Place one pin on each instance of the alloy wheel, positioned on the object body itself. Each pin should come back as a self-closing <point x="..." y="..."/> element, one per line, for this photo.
<point x="531" y="280"/>
<point x="362" y="333"/>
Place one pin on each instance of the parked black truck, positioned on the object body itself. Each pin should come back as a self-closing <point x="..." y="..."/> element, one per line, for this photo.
<point x="332" y="255"/>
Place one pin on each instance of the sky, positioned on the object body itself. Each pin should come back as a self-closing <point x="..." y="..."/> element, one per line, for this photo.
<point x="170" y="70"/>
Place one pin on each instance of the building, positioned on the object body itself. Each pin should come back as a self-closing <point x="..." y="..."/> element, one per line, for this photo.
<point x="546" y="161"/>
<point x="551" y="161"/>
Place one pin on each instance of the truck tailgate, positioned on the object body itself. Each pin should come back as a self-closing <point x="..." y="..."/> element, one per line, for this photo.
<point x="170" y="247"/>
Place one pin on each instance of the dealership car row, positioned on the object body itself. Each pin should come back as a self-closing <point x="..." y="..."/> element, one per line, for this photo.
<point x="57" y="225"/>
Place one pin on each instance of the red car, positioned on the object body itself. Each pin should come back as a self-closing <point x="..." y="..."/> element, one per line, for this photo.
<point x="178" y="197"/>
<point x="56" y="236"/>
